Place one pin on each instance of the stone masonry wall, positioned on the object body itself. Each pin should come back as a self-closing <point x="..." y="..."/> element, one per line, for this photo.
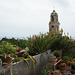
<point x="22" y="69"/>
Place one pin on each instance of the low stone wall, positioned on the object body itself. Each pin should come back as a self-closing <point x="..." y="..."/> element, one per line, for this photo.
<point x="22" y="69"/>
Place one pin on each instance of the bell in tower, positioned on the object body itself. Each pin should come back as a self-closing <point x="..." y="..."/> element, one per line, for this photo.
<point x="54" y="23"/>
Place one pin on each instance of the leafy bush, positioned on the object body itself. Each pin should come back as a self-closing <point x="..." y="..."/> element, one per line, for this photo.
<point x="62" y="42"/>
<point x="7" y="48"/>
<point x="40" y="43"/>
<point x="69" y="52"/>
<point x="57" y="53"/>
<point x="18" y="42"/>
<point x="65" y="59"/>
<point x="43" y="42"/>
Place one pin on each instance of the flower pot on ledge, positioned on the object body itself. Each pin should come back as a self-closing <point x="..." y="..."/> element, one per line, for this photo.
<point x="7" y="60"/>
<point x="62" y="67"/>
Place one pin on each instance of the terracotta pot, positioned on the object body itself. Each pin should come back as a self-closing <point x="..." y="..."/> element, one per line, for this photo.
<point x="7" y="59"/>
<point x="62" y="69"/>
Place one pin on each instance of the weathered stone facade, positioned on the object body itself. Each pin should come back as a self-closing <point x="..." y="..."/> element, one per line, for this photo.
<point x="54" y="23"/>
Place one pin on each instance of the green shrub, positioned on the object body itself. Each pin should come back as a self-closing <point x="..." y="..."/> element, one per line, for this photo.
<point x="43" y="42"/>
<point x="65" y="59"/>
<point x="8" y="48"/>
<point x="62" y="43"/>
<point x="40" y="43"/>
<point x="57" y="53"/>
<point x="18" y="42"/>
<point x="69" y="52"/>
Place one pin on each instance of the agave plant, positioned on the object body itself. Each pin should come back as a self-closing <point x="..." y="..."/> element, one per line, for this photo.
<point x="40" y="43"/>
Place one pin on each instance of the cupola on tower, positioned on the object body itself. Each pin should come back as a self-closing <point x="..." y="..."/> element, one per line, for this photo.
<point x="54" y="23"/>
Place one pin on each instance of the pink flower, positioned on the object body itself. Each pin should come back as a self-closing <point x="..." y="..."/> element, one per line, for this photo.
<point x="33" y="36"/>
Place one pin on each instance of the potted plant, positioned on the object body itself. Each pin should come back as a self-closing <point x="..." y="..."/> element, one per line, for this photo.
<point x="62" y="67"/>
<point x="66" y="60"/>
<point x="6" y="52"/>
<point x="57" y="54"/>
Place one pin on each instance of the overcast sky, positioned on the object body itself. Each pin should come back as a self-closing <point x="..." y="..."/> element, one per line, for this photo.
<point x="22" y="18"/>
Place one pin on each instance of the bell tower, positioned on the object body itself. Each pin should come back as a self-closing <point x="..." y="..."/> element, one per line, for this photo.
<point x="54" y="23"/>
